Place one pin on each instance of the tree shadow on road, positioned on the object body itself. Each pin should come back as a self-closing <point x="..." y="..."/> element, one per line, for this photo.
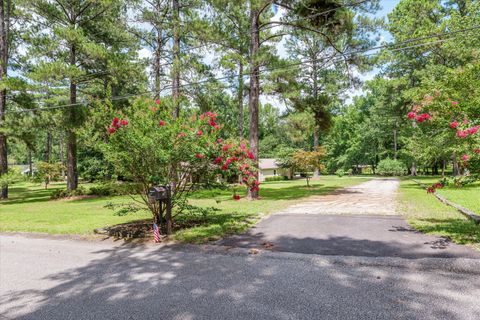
<point x="144" y="282"/>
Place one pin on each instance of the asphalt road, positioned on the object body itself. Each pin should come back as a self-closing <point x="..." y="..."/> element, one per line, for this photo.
<point x="67" y="279"/>
<point x="356" y="221"/>
<point x="347" y="235"/>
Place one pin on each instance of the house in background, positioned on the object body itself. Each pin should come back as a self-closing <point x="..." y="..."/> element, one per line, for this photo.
<point x="270" y="168"/>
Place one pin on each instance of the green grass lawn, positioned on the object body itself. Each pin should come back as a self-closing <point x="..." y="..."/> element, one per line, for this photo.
<point x="467" y="196"/>
<point x="30" y="209"/>
<point x="427" y="214"/>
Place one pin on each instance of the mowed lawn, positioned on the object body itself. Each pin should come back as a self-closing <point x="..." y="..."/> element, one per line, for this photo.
<point x="426" y="213"/>
<point x="30" y="209"/>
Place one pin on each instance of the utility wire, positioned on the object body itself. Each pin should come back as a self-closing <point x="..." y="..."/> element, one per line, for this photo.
<point x="331" y="59"/>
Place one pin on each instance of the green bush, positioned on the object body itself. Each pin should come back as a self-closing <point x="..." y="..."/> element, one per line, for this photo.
<point x="276" y="178"/>
<point x="113" y="189"/>
<point x="391" y="167"/>
<point x="340" y="173"/>
<point x="62" y="193"/>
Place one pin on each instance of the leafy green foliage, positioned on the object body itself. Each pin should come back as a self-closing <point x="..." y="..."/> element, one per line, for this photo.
<point x="391" y="167"/>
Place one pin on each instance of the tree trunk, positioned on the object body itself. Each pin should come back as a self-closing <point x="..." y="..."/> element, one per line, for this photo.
<point x="30" y="163"/>
<point x="254" y="95"/>
<point x="316" y="128"/>
<point x="48" y="147"/>
<point x="413" y="169"/>
<point x="240" y="100"/>
<point x="444" y="164"/>
<point x="157" y="64"/>
<point x="176" y="59"/>
<point x="395" y="148"/>
<point x="456" y="167"/>
<point x="5" y="7"/>
<point x="316" y="138"/>
<point x="72" y="176"/>
<point x="62" y="155"/>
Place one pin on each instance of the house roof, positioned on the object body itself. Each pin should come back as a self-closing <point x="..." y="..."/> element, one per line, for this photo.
<point x="268" y="164"/>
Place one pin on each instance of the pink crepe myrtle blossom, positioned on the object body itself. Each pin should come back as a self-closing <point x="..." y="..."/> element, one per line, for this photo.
<point x="411" y="115"/>
<point x="423" y="117"/>
<point x="199" y="133"/>
<point x="454" y="103"/>
<point x="161" y="123"/>
<point x="454" y="124"/>
<point x="465" y="157"/>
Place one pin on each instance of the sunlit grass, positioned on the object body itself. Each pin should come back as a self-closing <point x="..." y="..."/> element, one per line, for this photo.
<point x="31" y="210"/>
<point x="425" y="213"/>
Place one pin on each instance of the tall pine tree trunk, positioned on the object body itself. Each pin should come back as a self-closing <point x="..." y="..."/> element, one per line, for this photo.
<point x="240" y="100"/>
<point x="316" y="127"/>
<point x="254" y="96"/>
<point x="176" y="58"/>
<point x="72" y="177"/>
<point x="48" y="147"/>
<point x="5" y="7"/>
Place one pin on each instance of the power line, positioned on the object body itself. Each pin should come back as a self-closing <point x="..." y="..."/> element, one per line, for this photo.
<point x="331" y="59"/>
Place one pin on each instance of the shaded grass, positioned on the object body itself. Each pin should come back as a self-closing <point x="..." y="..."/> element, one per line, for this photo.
<point x="31" y="210"/>
<point x="425" y="213"/>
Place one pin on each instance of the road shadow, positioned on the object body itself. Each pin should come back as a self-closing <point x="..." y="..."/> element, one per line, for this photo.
<point x="355" y="235"/>
<point x="138" y="282"/>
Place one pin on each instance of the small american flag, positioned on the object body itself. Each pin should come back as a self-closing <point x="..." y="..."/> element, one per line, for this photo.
<point x="156" y="233"/>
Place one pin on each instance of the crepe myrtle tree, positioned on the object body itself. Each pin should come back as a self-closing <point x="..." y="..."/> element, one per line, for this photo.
<point x="150" y="146"/>
<point x="454" y="123"/>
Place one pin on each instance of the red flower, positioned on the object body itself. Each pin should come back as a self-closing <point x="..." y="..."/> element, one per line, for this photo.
<point x="181" y="134"/>
<point x="226" y="147"/>
<point x="236" y="197"/>
<point x="465" y="157"/>
<point x="250" y="155"/>
<point x="473" y="130"/>
<point x="218" y="160"/>
<point x="430" y="190"/>
<point x="124" y="123"/>
<point x="161" y="123"/>
<point x="423" y="117"/>
<point x="212" y="123"/>
<point x="111" y="130"/>
<point x="454" y="124"/>
<point x="462" y="134"/>
<point x="225" y="167"/>
<point x="477" y="151"/>
<point x="116" y="122"/>
<point x="199" y="156"/>
<point x="217" y="127"/>
<point x="438" y="185"/>
<point x="454" y="103"/>
<point x="157" y="101"/>
<point x="199" y="132"/>
<point x="411" y="115"/>
<point x="219" y="140"/>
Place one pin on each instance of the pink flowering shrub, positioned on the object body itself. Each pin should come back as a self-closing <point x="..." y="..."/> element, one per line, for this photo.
<point x="456" y="123"/>
<point x="152" y="148"/>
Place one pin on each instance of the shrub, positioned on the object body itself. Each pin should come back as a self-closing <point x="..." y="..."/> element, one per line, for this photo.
<point x="62" y="193"/>
<point x="391" y="167"/>
<point x="108" y="189"/>
<point x="276" y="178"/>
<point x="340" y="173"/>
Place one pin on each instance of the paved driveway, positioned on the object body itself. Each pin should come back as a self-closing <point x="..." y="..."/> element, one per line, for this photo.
<point x="355" y="221"/>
